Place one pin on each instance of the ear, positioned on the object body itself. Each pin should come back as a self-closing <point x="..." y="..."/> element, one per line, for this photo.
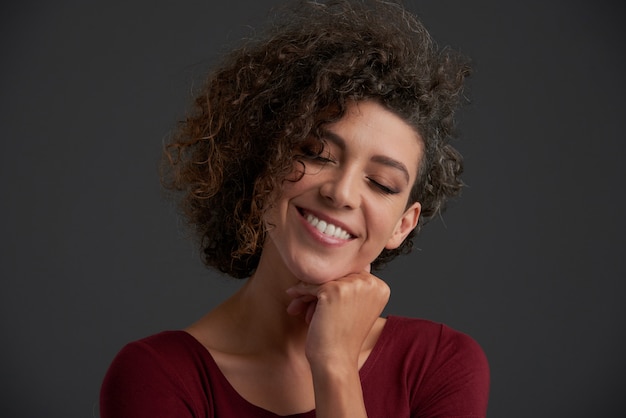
<point x="405" y="225"/>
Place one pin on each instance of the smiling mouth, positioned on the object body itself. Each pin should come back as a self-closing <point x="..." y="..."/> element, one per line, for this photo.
<point x="326" y="228"/>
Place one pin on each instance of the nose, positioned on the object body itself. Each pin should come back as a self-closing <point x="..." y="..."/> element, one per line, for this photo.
<point x="340" y="188"/>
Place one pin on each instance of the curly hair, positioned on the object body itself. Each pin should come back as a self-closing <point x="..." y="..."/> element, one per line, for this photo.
<point x="271" y="93"/>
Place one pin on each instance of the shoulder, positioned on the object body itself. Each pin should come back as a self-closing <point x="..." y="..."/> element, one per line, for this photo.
<point x="172" y="352"/>
<point x="447" y="368"/>
<point x="168" y="367"/>
<point x="431" y="338"/>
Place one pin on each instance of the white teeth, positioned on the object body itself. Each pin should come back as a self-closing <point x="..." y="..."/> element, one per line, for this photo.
<point x="326" y="228"/>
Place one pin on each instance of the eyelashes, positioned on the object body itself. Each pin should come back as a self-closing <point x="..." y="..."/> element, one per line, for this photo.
<point x="381" y="187"/>
<point x="317" y="153"/>
<point x="311" y="154"/>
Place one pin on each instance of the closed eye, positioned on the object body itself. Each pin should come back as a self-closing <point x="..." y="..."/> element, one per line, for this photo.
<point x="381" y="187"/>
<point x="321" y="156"/>
<point x="322" y="159"/>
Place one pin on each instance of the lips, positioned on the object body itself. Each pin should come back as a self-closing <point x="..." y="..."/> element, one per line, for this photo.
<point x="326" y="227"/>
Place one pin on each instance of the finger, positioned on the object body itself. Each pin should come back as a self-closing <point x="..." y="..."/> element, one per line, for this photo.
<point x="302" y="289"/>
<point x="310" y="311"/>
<point x="299" y="304"/>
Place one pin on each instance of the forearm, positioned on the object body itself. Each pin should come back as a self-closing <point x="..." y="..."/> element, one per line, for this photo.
<point x="338" y="392"/>
<point x="343" y="314"/>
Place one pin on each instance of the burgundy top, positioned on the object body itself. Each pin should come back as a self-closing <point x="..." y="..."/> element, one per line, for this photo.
<point x="417" y="368"/>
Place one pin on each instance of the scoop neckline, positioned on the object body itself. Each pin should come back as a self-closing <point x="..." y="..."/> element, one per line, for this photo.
<point x="363" y="371"/>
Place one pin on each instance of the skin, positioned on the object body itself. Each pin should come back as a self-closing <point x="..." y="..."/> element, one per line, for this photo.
<point x="294" y="337"/>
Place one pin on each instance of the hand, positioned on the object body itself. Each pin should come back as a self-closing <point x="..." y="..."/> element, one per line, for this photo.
<point x="340" y="314"/>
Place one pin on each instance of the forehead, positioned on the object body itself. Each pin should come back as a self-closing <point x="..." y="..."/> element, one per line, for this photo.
<point x="377" y="117"/>
<point x="372" y="127"/>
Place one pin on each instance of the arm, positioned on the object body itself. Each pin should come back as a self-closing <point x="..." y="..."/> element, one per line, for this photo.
<point x="140" y="383"/>
<point x="341" y="314"/>
<point x="338" y="391"/>
<point x="456" y="383"/>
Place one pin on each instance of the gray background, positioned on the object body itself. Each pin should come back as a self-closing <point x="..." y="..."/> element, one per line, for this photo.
<point x="529" y="261"/>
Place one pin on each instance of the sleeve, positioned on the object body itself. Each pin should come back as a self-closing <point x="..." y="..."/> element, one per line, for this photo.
<point x="457" y="381"/>
<point x="141" y="383"/>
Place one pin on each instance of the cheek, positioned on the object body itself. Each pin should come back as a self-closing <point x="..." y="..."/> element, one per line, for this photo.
<point x="297" y="172"/>
<point x="279" y="203"/>
<point x="385" y="221"/>
<point x="296" y="184"/>
<point x="272" y="209"/>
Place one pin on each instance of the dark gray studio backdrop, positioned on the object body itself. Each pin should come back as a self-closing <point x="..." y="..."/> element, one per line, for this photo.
<point x="529" y="261"/>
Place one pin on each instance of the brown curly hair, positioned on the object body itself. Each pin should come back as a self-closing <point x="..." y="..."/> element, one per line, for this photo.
<point x="272" y="93"/>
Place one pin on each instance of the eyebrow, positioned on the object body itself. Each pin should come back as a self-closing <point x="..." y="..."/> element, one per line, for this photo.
<point x="380" y="159"/>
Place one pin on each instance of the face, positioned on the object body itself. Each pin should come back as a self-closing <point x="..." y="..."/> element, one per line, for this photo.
<point x="351" y="203"/>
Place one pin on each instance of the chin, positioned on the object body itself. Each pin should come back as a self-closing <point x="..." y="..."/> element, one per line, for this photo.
<point x="323" y="274"/>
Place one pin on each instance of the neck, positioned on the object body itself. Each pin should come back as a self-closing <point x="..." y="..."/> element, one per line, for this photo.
<point x="257" y="312"/>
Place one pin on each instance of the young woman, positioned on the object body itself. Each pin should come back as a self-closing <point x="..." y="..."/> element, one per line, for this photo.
<point x="313" y="156"/>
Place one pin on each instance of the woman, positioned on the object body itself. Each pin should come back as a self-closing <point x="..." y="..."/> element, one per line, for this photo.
<point x="313" y="156"/>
